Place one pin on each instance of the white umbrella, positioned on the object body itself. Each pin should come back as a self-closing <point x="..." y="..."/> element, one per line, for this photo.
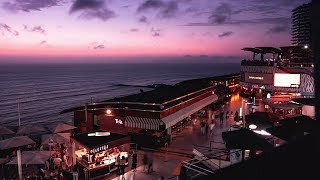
<point x="32" y="157"/>
<point x="55" y="138"/>
<point x="60" y="127"/>
<point x="15" y="142"/>
<point x="30" y="128"/>
<point x="5" y="130"/>
<point x="3" y="160"/>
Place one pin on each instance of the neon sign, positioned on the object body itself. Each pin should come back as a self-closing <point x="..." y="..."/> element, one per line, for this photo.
<point x="118" y="121"/>
<point x="99" y="149"/>
<point x="256" y="77"/>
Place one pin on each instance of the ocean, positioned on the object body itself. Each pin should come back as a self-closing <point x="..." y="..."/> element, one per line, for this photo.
<point x="42" y="91"/>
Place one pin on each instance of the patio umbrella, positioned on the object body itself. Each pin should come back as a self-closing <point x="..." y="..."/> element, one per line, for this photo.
<point x="32" y="157"/>
<point x="56" y="138"/>
<point x="60" y="127"/>
<point x="30" y="128"/>
<point x="15" y="142"/>
<point x="5" y="130"/>
<point x="3" y="160"/>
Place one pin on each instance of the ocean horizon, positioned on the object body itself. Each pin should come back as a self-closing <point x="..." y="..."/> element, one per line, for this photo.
<point x="43" y="90"/>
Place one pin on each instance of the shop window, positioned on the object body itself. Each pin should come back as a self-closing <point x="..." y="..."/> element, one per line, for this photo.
<point x="96" y="120"/>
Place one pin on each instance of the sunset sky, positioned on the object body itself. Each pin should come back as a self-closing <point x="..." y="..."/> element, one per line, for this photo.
<point x="134" y="28"/>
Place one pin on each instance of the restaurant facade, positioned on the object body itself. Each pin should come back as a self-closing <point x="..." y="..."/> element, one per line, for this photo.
<point x="157" y="110"/>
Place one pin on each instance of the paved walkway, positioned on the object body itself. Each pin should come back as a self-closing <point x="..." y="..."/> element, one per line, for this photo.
<point x="168" y="165"/>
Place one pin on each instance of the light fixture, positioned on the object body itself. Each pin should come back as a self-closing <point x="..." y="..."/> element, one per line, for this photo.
<point x="252" y="126"/>
<point x="262" y="132"/>
<point x="99" y="134"/>
<point x="306" y="46"/>
<point x="108" y="111"/>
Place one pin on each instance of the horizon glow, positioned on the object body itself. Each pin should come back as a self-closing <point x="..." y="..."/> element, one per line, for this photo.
<point x="143" y="28"/>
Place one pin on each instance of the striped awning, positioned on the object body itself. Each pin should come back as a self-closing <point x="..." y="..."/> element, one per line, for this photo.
<point x="143" y="123"/>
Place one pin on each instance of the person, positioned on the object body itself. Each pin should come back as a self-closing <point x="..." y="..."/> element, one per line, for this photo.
<point x="134" y="161"/>
<point x="206" y="128"/>
<point x="93" y="158"/>
<point x="41" y="173"/>
<point x="211" y="128"/>
<point x="60" y="173"/>
<point x="202" y="127"/>
<point x="221" y="116"/>
<point x="117" y="163"/>
<point x="145" y="162"/>
<point x="150" y="164"/>
<point x="122" y="165"/>
<point x="57" y="162"/>
<point x="75" y="173"/>
<point x="227" y="115"/>
<point x="236" y="116"/>
<point x="231" y="116"/>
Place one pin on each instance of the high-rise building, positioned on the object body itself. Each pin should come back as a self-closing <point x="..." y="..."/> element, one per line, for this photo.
<point x="301" y="25"/>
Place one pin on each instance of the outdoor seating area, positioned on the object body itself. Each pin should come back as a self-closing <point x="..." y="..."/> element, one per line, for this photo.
<point x="36" y="152"/>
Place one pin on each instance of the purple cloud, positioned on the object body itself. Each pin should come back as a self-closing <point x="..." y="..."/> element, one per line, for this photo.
<point x="144" y="19"/>
<point x="100" y="46"/>
<point x="225" y="34"/>
<point x="278" y="29"/>
<point x="150" y="4"/>
<point x="4" y="28"/>
<point x="30" y="5"/>
<point x="92" y="9"/>
<point x="36" y="29"/>
<point x="134" y="30"/>
<point x="155" y="32"/>
<point x="86" y="4"/>
<point x="103" y="14"/>
<point x="166" y="9"/>
<point x="43" y="42"/>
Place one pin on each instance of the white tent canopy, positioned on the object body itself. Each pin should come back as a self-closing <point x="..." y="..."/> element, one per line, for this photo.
<point x="15" y="142"/>
<point x="55" y="138"/>
<point x="30" y="128"/>
<point x="32" y="157"/>
<point x="60" y="127"/>
<point x="5" y="130"/>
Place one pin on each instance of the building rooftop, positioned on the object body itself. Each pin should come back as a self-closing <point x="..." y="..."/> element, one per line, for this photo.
<point x="306" y="101"/>
<point x="162" y="97"/>
<point x="92" y="141"/>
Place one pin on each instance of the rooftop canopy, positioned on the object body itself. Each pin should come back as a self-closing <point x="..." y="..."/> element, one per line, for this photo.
<point x="93" y="140"/>
<point x="272" y="50"/>
<point x="246" y="139"/>
<point x="163" y="97"/>
<point x="254" y="50"/>
<point x="306" y="101"/>
<point x="294" y="127"/>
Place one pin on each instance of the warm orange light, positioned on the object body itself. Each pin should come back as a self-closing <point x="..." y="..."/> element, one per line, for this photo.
<point x="108" y="111"/>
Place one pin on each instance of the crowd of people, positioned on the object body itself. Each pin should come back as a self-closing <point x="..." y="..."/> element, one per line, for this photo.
<point x="57" y="166"/>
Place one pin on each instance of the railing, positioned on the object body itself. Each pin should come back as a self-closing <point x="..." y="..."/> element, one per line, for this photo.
<point x="216" y="155"/>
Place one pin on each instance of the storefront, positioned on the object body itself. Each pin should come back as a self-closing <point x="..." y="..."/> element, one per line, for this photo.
<point x="96" y="152"/>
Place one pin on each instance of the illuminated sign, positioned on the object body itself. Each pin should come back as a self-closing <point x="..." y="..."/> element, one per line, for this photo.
<point x="286" y="80"/>
<point x="118" y="121"/>
<point x="256" y="77"/>
<point x="99" y="149"/>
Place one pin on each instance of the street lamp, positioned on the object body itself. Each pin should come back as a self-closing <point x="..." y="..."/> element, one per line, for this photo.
<point x="306" y="46"/>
